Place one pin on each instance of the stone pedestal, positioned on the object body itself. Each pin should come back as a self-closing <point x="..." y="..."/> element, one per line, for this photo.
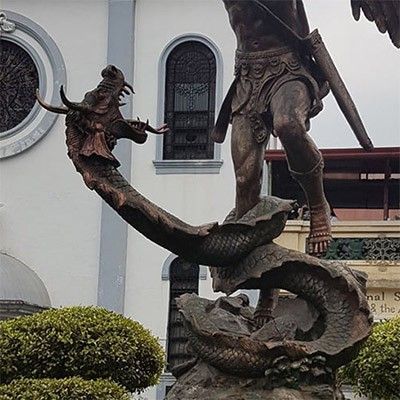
<point x="203" y="382"/>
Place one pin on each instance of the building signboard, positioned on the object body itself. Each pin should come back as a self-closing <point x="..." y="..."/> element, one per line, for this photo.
<point x="384" y="302"/>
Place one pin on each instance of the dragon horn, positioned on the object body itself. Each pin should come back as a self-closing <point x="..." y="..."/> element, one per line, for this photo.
<point x="58" y="110"/>
<point x="70" y="104"/>
<point x="129" y="86"/>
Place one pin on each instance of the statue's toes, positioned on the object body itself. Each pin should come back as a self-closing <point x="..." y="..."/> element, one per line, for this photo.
<point x="318" y="244"/>
<point x="261" y="320"/>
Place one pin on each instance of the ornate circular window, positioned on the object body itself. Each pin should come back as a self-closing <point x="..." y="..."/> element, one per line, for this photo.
<point x="19" y="80"/>
<point x="29" y="60"/>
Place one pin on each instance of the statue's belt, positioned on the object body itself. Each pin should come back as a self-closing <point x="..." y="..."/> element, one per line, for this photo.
<point x="257" y="62"/>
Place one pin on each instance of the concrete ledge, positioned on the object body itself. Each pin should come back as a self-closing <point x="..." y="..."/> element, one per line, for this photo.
<point x="16" y="308"/>
<point x="166" y="167"/>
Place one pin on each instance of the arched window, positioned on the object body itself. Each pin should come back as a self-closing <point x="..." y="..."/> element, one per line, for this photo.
<point x="184" y="278"/>
<point x="190" y="102"/>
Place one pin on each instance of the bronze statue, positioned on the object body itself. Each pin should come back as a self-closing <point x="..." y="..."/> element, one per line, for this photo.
<point x="239" y="352"/>
<point x="278" y="87"/>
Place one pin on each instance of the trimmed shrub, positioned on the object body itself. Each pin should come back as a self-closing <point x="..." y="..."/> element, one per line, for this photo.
<point x="62" y="389"/>
<point x="89" y="342"/>
<point x="376" y="370"/>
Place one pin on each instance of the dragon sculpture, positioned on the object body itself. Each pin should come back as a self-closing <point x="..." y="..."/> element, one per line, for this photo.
<point x="223" y="334"/>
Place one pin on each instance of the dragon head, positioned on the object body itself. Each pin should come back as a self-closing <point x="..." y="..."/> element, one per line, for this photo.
<point x="95" y="124"/>
<point x="106" y="97"/>
<point x="103" y="99"/>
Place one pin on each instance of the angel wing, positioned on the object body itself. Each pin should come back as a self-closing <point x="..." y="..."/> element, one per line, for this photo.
<point x="385" y="14"/>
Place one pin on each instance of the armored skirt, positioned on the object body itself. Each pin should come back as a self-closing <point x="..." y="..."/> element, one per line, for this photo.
<point x="258" y="76"/>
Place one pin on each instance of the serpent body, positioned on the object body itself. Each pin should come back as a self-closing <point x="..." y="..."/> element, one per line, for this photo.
<point x="333" y="289"/>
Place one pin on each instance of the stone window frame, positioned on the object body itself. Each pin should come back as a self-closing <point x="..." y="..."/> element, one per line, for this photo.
<point x="167" y="379"/>
<point x="185" y="278"/>
<point x="50" y="65"/>
<point x="211" y="166"/>
<point x="167" y="264"/>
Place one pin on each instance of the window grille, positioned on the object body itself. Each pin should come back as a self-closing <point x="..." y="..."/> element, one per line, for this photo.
<point x="184" y="278"/>
<point x="190" y="102"/>
<point x="18" y="82"/>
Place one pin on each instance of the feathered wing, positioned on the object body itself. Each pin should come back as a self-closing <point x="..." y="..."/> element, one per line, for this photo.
<point x="385" y="14"/>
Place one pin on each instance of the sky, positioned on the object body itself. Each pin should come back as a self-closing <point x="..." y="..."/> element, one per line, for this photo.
<point x="370" y="67"/>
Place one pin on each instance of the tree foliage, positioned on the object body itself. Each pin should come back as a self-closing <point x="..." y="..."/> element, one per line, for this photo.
<point x="61" y="389"/>
<point x="88" y="342"/>
<point x="376" y="370"/>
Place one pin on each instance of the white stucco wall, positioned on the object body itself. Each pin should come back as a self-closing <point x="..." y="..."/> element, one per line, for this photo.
<point x="50" y="221"/>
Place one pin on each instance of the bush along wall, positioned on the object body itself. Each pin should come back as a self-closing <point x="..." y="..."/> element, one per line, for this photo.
<point x="88" y="342"/>
<point x="62" y="389"/>
<point x="376" y="370"/>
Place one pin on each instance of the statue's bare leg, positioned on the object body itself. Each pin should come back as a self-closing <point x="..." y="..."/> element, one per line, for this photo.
<point x="248" y="158"/>
<point x="290" y="107"/>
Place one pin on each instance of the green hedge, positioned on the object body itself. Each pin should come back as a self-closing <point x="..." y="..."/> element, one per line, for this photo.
<point x="62" y="389"/>
<point x="80" y="341"/>
<point x="376" y="370"/>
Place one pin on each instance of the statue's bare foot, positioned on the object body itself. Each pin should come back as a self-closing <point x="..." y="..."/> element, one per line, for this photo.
<point x="260" y="319"/>
<point x="320" y="230"/>
<point x="267" y="301"/>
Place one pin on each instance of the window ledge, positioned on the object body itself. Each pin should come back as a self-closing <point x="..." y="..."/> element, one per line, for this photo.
<point x="166" y="167"/>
